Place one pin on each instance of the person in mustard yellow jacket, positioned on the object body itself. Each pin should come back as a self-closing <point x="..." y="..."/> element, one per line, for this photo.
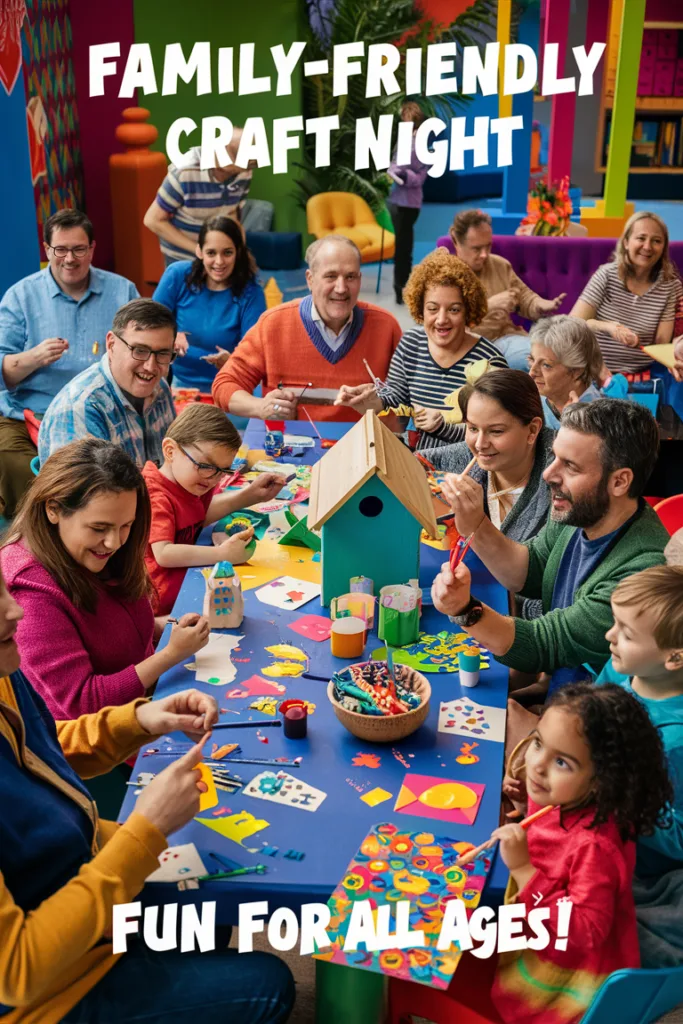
<point x="62" y="869"/>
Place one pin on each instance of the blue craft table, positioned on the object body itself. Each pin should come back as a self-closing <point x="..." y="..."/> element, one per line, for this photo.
<point x="330" y="836"/>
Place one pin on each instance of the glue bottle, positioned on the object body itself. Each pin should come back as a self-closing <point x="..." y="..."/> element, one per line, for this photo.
<point x="469" y="664"/>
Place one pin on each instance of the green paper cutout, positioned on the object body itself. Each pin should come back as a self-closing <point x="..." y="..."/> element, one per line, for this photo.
<point x="299" y="535"/>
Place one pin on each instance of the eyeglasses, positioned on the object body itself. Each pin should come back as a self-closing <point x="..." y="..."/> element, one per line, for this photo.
<point x="79" y="252"/>
<point x="141" y="353"/>
<point x="205" y="469"/>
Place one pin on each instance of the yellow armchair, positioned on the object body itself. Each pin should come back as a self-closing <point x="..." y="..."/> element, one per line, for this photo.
<point x="343" y="213"/>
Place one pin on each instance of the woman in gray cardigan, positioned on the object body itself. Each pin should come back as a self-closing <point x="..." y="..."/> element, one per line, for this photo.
<point x="505" y="431"/>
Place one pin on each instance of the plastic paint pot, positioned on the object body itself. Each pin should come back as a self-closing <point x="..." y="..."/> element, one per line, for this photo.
<point x="469" y="668"/>
<point x="347" y="637"/>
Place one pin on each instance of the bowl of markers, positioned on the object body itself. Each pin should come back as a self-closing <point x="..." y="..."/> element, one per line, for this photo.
<point x="378" y="705"/>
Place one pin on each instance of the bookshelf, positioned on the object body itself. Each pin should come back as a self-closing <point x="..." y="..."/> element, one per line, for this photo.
<point x="658" y="129"/>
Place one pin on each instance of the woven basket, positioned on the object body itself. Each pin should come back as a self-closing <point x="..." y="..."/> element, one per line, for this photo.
<point x="387" y="728"/>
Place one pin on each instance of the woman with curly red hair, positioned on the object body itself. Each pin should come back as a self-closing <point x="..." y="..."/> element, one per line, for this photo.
<point x="433" y="361"/>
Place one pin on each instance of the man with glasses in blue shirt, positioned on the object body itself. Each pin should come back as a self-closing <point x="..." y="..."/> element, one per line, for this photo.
<point x="123" y="398"/>
<point x="53" y="325"/>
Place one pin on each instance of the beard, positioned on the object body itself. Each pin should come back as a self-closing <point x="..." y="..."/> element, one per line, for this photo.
<point x="585" y="511"/>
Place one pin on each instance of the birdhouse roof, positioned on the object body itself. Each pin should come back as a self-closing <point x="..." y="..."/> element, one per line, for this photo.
<point x="369" y="449"/>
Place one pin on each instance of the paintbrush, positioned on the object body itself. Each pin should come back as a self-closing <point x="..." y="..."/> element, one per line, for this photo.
<point x="305" y="411"/>
<point x="247" y="725"/>
<point x="471" y="855"/>
<point x="458" y="551"/>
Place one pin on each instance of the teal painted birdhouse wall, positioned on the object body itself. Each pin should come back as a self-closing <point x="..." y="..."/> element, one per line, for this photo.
<point x="372" y="534"/>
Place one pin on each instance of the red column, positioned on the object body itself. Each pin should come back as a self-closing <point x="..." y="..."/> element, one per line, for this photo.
<point x="564" y="105"/>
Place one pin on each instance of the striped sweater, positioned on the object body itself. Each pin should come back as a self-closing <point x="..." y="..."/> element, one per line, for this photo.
<point x="607" y="294"/>
<point x="414" y="378"/>
<point x="192" y="195"/>
<point x="278" y="348"/>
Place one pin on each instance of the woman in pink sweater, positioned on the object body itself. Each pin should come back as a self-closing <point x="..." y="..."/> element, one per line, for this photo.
<point x="75" y="563"/>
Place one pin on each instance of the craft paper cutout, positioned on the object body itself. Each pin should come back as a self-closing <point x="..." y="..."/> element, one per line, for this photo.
<point x="466" y="756"/>
<point x="395" y="864"/>
<point x="366" y="761"/>
<point x="428" y="796"/>
<point x="467" y="718"/>
<point x="313" y="627"/>
<point x="299" y="441"/>
<point x="284" y="668"/>
<point x="178" y="863"/>
<point x="267" y="705"/>
<point x="213" y="664"/>
<point x="435" y="653"/>
<point x="254" y="686"/>
<point x="210" y="798"/>
<point x="282" y="788"/>
<point x="219" y="752"/>
<point x="237" y="828"/>
<point x="376" y="796"/>
<point x="287" y="651"/>
<point x="288" y="593"/>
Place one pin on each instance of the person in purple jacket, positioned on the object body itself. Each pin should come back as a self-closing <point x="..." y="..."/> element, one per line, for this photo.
<point x="405" y="201"/>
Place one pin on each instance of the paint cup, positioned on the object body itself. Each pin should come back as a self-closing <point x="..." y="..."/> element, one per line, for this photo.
<point x="296" y="722"/>
<point x="469" y="668"/>
<point x="347" y="637"/>
<point x="359" y="605"/>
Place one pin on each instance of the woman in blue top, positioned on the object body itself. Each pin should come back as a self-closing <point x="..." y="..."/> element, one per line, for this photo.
<point x="565" y="362"/>
<point x="216" y="299"/>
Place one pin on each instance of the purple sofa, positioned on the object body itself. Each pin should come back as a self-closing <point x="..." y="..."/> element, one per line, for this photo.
<point x="554" y="265"/>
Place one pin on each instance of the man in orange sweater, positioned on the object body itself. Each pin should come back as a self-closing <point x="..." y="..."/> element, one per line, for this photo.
<point x="311" y="345"/>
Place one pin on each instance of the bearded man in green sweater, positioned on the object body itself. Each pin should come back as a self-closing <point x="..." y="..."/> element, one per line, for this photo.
<point x="600" y="530"/>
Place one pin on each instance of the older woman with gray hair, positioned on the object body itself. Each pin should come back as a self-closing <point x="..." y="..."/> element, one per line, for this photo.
<point x="565" y="362"/>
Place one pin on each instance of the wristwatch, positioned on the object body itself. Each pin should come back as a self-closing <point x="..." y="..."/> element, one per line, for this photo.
<point x="470" y="614"/>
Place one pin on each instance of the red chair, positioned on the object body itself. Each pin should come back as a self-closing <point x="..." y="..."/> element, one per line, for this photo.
<point x="653" y="501"/>
<point x="32" y="426"/>
<point x="670" y="511"/>
<point x="466" y="1001"/>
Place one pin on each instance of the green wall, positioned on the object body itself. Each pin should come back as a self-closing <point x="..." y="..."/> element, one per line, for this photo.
<point x="263" y="22"/>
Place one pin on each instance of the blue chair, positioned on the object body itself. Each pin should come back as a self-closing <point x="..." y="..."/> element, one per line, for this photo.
<point x="35" y="465"/>
<point x="636" y="997"/>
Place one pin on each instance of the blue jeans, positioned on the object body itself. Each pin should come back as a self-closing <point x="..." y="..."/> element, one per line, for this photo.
<point x="516" y="349"/>
<point x="221" y="987"/>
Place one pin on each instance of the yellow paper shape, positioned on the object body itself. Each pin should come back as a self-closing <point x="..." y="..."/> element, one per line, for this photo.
<point x="210" y="798"/>
<point x="237" y="827"/>
<point x="287" y="651"/>
<point x="376" y="796"/>
<point x="448" y="795"/>
<point x="405" y="797"/>
<point x="663" y="354"/>
<point x="271" y="560"/>
<point x="284" y="668"/>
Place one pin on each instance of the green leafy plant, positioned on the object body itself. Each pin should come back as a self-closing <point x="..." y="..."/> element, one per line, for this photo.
<point x="373" y="21"/>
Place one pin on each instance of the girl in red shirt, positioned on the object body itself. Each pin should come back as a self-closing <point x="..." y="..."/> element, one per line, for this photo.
<point x="596" y="757"/>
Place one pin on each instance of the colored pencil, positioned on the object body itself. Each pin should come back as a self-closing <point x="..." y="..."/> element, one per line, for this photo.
<point x="261" y="760"/>
<point x="311" y="422"/>
<point x="248" y="725"/>
<point x="471" y="855"/>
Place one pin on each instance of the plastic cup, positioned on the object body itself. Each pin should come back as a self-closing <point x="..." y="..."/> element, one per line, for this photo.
<point x="469" y="668"/>
<point x="347" y="637"/>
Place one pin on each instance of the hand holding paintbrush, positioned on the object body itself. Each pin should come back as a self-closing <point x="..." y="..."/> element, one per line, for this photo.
<point x="466" y="497"/>
<point x="471" y="855"/>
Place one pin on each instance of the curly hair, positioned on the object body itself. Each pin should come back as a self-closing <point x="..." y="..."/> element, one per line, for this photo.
<point x="245" y="269"/>
<point x="632" y="782"/>
<point x="441" y="268"/>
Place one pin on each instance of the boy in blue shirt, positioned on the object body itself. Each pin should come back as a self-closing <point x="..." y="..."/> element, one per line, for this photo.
<point x="646" y="644"/>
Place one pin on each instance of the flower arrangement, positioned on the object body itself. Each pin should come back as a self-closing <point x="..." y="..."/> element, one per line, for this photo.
<point x="548" y="209"/>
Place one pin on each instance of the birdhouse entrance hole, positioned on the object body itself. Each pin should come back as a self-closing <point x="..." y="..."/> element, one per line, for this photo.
<point x="370" y="506"/>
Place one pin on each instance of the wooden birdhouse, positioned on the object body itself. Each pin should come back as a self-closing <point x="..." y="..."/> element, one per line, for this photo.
<point x="370" y="500"/>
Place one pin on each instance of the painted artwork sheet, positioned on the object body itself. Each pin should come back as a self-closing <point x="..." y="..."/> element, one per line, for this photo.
<point x="465" y="717"/>
<point x="394" y="864"/>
